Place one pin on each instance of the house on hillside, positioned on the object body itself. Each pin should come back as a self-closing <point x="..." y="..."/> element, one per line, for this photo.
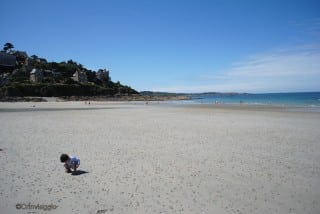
<point x="4" y="78"/>
<point x="22" y="57"/>
<point x="103" y="75"/>
<point x="36" y="75"/>
<point x="56" y="74"/>
<point x="7" y="62"/>
<point x="80" y="76"/>
<point x="48" y="75"/>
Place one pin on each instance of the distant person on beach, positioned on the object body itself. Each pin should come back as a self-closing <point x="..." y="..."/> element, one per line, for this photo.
<point x="70" y="162"/>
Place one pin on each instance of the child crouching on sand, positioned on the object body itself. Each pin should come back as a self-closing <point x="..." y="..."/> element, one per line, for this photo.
<point x="70" y="162"/>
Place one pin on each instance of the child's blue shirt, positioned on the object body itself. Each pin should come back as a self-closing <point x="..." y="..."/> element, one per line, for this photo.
<point x="73" y="161"/>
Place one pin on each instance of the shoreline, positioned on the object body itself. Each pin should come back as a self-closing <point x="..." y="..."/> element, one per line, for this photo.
<point x="255" y="107"/>
<point x="169" y="100"/>
<point x="53" y="105"/>
<point x="97" y="98"/>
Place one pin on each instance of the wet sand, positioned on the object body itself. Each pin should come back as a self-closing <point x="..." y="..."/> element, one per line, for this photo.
<point x="138" y="158"/>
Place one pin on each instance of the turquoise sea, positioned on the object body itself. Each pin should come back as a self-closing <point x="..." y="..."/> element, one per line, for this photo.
<point x="303" y="99"/>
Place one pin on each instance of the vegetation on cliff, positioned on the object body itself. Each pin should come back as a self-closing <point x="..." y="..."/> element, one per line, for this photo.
<point x="57" y="78"/>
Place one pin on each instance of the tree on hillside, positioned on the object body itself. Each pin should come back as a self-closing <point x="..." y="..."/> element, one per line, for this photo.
<point x="34" y="57"/>
<point x="7" y="47"/>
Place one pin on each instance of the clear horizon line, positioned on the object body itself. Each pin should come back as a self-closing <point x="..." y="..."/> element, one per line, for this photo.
<point x="231" y="92"/>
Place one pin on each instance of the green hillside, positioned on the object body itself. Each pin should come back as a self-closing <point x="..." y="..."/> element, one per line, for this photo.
<point x="24" y="75"/>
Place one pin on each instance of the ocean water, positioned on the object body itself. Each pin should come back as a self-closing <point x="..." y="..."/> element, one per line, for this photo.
<point x="305" y="99"/>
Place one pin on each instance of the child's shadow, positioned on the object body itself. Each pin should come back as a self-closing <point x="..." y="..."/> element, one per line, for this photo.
<point x="79" y="172"/>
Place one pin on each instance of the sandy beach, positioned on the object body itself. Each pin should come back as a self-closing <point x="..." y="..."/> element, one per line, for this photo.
<point x="158" y="158"/>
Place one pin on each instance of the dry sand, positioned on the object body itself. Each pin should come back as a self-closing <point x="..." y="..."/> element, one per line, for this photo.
<point x="158" y="159"/>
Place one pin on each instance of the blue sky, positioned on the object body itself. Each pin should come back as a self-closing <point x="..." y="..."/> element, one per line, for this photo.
<point x="176" y="45"/>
